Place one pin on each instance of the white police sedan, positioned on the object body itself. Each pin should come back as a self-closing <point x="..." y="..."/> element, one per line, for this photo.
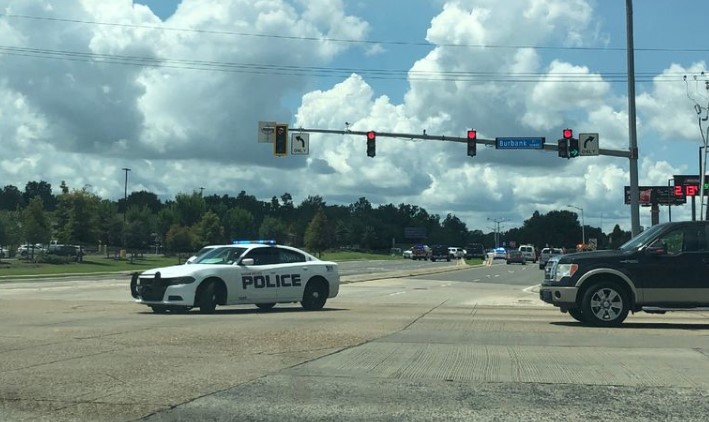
<point x="259" y="273"/>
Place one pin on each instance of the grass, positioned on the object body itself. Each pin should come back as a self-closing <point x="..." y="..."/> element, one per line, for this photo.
<point x="93" y="264"/>
<point x="90" y="264"/>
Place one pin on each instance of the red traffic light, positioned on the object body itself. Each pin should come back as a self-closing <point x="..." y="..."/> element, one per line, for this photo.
<point x="371" y="135"/>
<point x="568" y="133"/>
<point x="472" y="134"/>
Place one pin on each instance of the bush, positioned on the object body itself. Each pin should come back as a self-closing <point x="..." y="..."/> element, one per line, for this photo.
<point x="55" y="259"/>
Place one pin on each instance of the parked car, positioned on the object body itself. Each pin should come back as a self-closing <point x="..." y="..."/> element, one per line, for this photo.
<point x="456" y="253"/>
<point x="440" y="252"/>
<point x="475" y="250"/>
<point x="4" y="253"/>
<point x="548" y="253"/>
<point x="408" y="254"/>
<point x="515" y="256"/>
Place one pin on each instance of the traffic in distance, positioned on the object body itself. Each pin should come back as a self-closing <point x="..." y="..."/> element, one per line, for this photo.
<point x="249" y="272"/>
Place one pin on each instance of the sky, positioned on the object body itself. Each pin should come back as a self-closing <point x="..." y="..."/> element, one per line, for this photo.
<point x="174" y="90"/>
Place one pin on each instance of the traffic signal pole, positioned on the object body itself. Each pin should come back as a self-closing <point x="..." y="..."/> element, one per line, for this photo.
<point x="460" y="139"/>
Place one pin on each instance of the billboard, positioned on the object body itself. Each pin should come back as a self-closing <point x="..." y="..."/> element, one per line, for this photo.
<point x="658" y="195"/>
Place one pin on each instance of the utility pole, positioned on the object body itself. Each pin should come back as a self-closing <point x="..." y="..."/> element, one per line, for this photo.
<point x="632" y="122"/>
<point x="497" y="222"/>
<point x="125" y="196"/>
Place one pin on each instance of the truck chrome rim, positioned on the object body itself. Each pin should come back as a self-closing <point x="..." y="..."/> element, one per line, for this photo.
<point x="606" y="304"/>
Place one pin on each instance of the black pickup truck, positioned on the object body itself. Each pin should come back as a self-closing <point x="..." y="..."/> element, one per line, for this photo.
<point x="664" y="268"/>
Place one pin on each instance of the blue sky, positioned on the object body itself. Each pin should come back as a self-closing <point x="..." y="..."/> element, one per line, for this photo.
<point x="545" y="65"/>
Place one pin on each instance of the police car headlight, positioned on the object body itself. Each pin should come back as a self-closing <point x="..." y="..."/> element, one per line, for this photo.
<point x="565" y="270"/>
<point x="181" y="280"/>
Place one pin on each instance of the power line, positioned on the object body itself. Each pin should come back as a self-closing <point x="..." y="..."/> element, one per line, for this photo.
<point x="347" y="41"/>
<point x="291" y="70"/>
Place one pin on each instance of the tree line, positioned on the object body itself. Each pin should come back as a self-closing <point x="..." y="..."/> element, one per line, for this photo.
<point x="190" y="220"/>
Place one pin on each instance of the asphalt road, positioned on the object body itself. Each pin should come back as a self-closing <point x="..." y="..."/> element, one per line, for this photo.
<point x="474" y="344"/>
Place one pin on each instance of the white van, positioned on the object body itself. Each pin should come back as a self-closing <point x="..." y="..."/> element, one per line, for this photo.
<point x="528" y="252"/>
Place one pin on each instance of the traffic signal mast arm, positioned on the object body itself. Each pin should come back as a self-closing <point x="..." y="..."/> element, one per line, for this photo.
<point x="460" y="139"/>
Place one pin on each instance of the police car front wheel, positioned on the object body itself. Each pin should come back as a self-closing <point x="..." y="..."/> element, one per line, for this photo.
<point x="208" y="298"/>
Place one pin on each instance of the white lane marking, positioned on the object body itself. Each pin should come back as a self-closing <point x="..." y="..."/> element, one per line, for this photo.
<point x="532" y="289"/>
<point x="397" y="293"/>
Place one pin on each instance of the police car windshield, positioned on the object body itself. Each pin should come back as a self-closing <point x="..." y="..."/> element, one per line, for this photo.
<point x="221" y="256"/>
<point x="641" y="239"/>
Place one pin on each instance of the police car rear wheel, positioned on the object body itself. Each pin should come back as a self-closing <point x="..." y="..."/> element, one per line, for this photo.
<point x="208" y="298"/>
<point x="314" y="296"/>
<point x="265" y="306"/>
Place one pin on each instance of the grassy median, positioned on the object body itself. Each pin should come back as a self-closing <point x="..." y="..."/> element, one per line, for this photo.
<point x="93" y="264"/>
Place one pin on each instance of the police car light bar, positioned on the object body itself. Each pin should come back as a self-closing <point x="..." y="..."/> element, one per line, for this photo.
<point x="261" y="242"/>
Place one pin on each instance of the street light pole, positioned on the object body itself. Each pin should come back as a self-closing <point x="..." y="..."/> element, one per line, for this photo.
<point x="583" y="224"/>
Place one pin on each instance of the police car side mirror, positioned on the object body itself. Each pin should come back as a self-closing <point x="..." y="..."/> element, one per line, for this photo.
<point x="247" y="261"/>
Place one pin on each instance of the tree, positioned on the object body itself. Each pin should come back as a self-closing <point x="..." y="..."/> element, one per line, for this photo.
<point x="11" y="198"/>
<point x="179" y="239"/>
<point x="108" y="223"/>
<point x="209" y="230"/>
<point x="35" y="224"/>
<point x="239" y="224"/>
<point x="143" y="199"/>
<point x="318" y="235"/>
<point x="273" y="229"/>
<point x="189" y="208"/>
<point x="140" y="227"/>
<point x="42" y="190"/>
<point x="618" y="237"/>
<point x="77" y="213"/>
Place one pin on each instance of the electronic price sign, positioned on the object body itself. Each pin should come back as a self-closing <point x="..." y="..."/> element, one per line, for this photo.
<point x="658" y="195"/>
<point x="689" y="185"/>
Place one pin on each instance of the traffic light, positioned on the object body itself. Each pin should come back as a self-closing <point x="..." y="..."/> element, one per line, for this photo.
<point x="563" y="146"/>
<point x="573" y="147"/>
<point x="472" y="142"/>
<point x="280" y="146"/>
<point x="371" y="143"/>
<point x="568" y="146"/>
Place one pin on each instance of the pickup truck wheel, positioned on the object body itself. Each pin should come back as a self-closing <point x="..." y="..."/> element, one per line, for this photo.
<point x="577" y="315"/>
<point x="605" y="305"/>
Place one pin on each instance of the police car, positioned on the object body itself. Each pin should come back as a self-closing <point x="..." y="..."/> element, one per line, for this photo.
<point x="246" y="272"/>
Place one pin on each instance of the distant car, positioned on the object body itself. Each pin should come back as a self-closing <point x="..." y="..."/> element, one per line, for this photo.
<point x="499" y="253"/>
<point x="408" y="254"/>
<point x="548" y="253"/>
<point x="440" y="252"/>
<point x="4" y="253"/>
<point x="515" y="256"/>
<point x="421" y="252"/>
<point x="456" y="253"/>
<point x="529" y="252"/>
